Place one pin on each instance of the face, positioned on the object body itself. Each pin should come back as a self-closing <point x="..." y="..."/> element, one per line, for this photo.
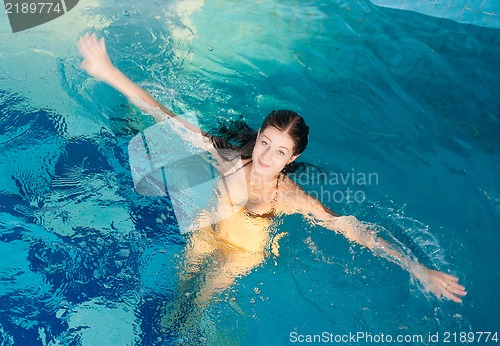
<point x="273" y="150"/>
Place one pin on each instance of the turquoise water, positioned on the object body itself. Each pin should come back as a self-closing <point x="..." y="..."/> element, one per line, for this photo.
<point x="411" y="98"/>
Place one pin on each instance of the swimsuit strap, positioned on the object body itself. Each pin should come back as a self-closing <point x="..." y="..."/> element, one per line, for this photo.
<point x="277" y="184"/>
<point x="227" y="175"/>
<point x="271" y="212"/>
<point x="223" y="178"/>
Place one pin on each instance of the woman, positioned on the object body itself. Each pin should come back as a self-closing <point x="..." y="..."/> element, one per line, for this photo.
<point x="239" y="240"/>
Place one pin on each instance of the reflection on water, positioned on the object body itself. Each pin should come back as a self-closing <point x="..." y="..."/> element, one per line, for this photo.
<point x="412" y="98"/>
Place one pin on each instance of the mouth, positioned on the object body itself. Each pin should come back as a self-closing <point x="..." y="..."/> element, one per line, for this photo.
<point x="262" y="164"/>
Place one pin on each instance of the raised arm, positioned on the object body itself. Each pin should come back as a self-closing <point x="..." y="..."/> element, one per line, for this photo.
<point x="97" y="64"/>
<point x="439" y="283"/>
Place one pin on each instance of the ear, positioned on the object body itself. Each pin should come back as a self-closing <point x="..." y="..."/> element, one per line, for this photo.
<point x="293" y="158"/>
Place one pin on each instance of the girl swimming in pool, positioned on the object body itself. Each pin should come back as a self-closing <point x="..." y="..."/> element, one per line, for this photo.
<point x="239" y="240"/>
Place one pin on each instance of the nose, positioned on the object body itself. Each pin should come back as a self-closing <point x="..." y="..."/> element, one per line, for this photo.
<point x="265" y="156"/>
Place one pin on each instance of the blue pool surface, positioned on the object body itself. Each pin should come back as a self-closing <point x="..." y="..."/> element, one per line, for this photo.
<point x="403" y="93"/>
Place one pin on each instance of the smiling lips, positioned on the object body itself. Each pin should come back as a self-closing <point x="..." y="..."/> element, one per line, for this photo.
<point x="262" y="165"/>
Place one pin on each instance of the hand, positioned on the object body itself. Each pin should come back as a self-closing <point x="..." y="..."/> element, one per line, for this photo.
<point x="444" y="285"/>
<point x="96" y="60"/>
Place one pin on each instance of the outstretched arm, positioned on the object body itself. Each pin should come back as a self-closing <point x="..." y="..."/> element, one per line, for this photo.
<point x="97" y="64"/>
<point x="439" y="283"/>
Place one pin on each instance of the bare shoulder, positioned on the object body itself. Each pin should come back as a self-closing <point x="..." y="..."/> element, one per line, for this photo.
<point x="293" y="199"/>
<point x="290" y="196"/>
<point x="287" y="185"/>
<point x="227" y="158"/>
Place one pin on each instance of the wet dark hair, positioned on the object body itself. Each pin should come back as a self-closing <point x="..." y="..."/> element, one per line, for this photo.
<point x="291" y="123"/>
<point x="237" y="135"/>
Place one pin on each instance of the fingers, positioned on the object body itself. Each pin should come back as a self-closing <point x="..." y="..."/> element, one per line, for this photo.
<point x="89" y="45"/>
<point x="102" y="44"/>
<point x="455" y="286"/>
<point x="450" y="283"/>
<point x="84" y="45"/>
<point x="81" y="43"/>
<point x="452" y="290"/>
<point x="448" y="277"/>
<point x="445" y="285"/>
<point x="83" y="65"/>
<point x="450" y="295"/>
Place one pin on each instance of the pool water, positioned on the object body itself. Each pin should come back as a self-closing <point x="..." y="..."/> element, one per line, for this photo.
<point x="408" y="99"/>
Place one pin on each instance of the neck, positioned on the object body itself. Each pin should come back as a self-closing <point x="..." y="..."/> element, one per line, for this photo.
<point x="259" y="178"/>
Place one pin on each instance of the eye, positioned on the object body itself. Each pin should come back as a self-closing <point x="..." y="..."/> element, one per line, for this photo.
<point x="265" y="143"/>
<point x="281" y="152"/>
